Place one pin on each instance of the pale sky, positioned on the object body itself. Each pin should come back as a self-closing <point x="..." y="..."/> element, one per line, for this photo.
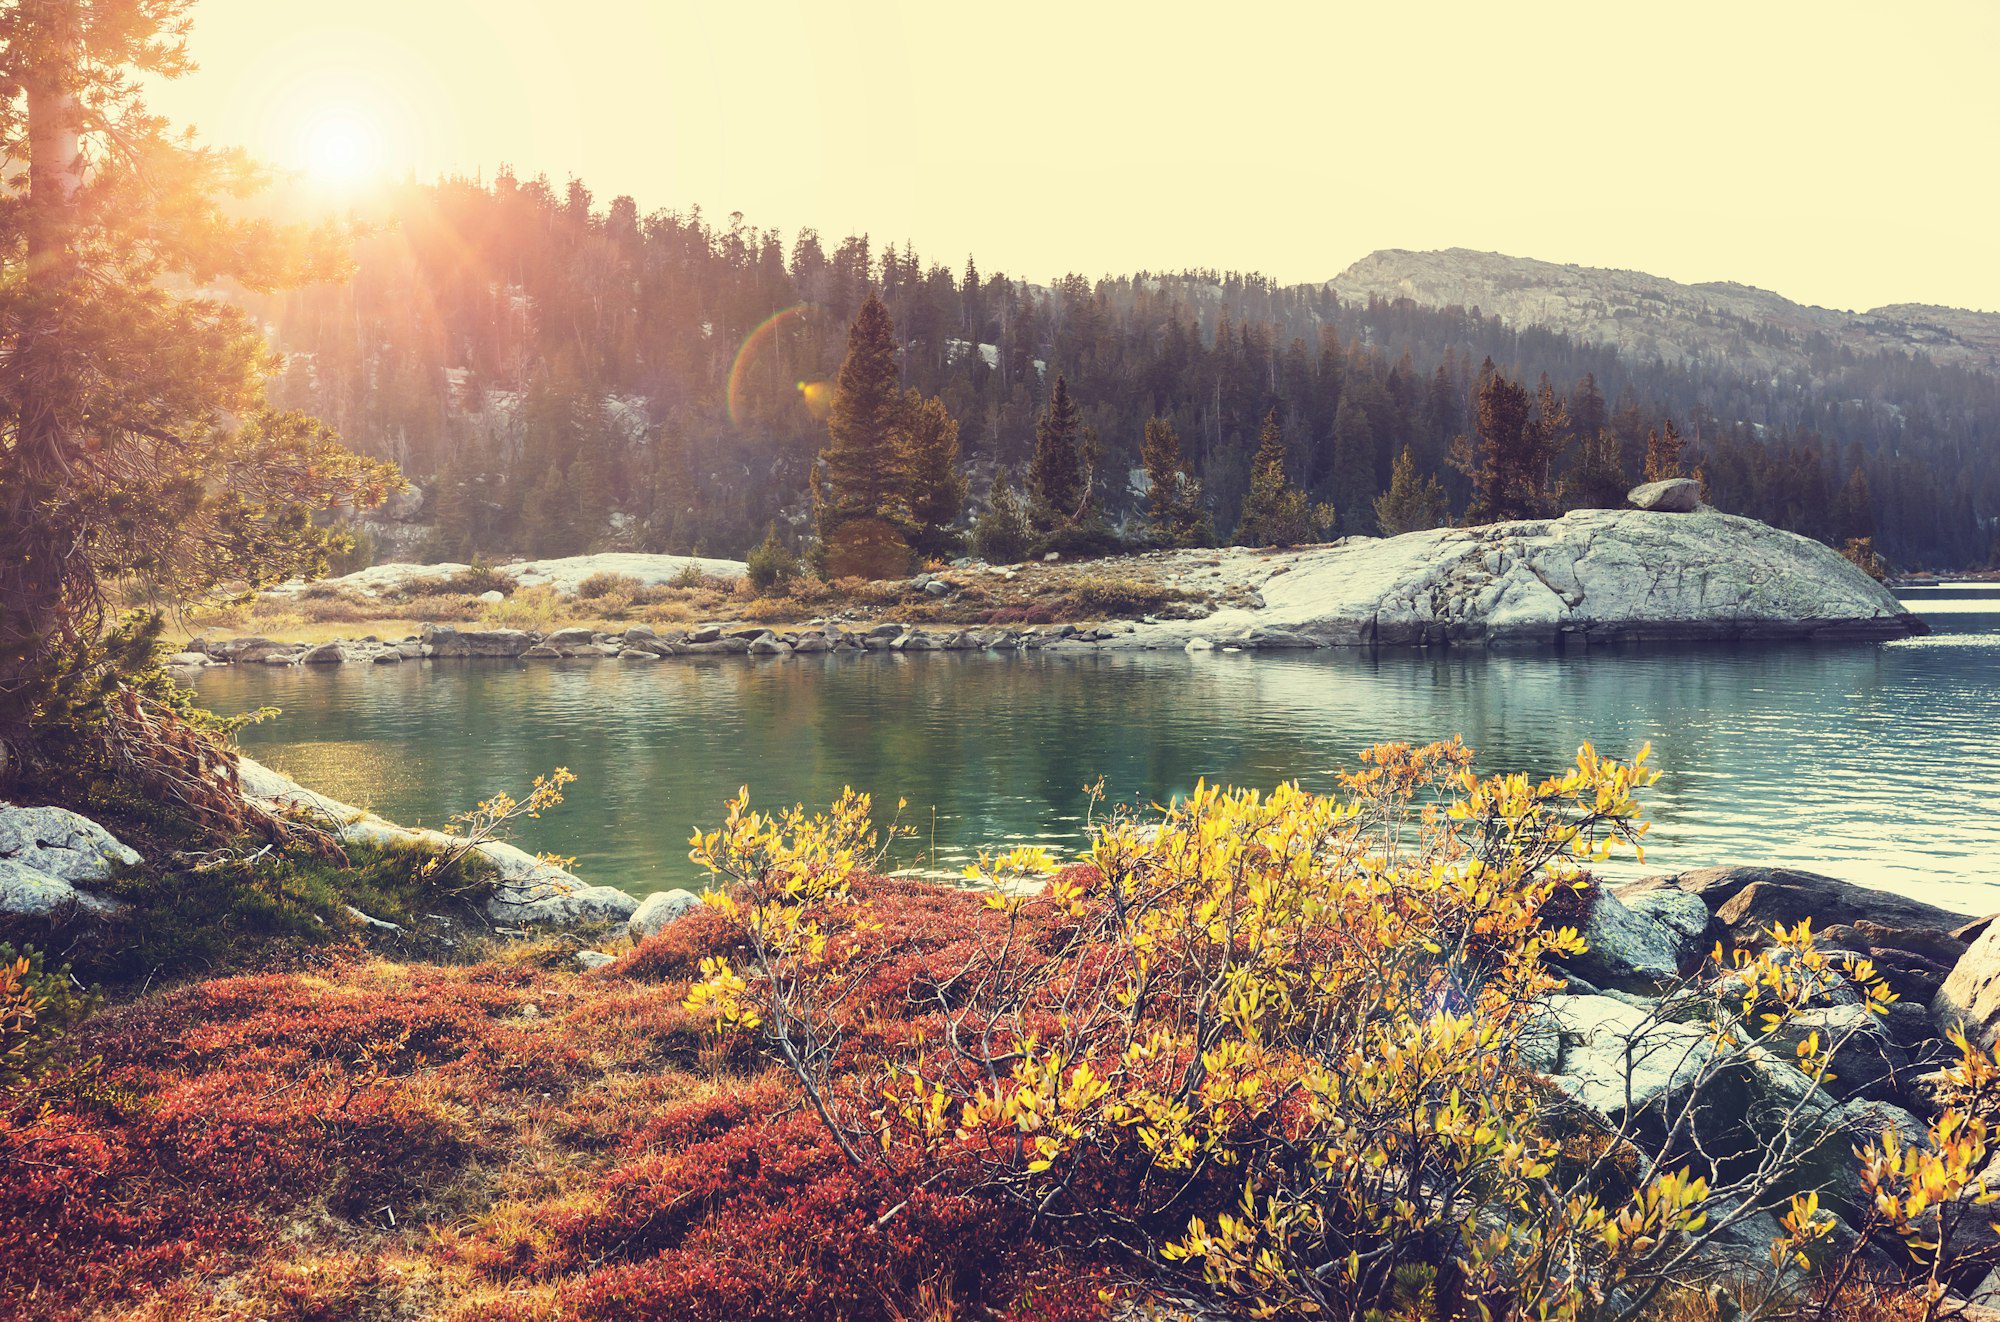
<point x="1838" y="153"/>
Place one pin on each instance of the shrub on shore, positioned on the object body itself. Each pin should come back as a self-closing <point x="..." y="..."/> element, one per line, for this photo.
<point x="770" y="563"/>
<point x="1267" y="1049"/>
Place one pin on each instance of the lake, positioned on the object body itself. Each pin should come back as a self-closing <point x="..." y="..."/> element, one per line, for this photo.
<point x="1876" y="763"/>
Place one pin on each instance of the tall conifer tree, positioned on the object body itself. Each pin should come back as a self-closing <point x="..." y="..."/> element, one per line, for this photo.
<point x="1276" y="513"/>
<point x="1663" y="452"/>
<point x="937" y="488"/>
<point x="1174" y="514"/>
<point x="1055" y="477"/>
<point x="860" y="503"/>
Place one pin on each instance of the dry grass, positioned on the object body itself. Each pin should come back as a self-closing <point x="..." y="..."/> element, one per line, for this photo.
<point x="1080" y="592"/>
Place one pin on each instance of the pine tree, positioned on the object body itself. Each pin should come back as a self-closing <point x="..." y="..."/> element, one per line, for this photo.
<point x="1587" y="412"/>
<point x="134" y="434"/>
<point x="1410" y="504"/>
<point x="1597" y="479"/>
<point x="860" y="505"/>
<point x="1854" y="509"/>
<point x="458" y="518"/>
<point x="1276" y="513"/>
<point x="1352" y="481"/>
<point x="1663" y="452"/>
<point x="1055" y="477"/>
<point x="1500" y="457"/>
<point x="590" y="500"/>
<point x="937" y="488"/>
<point x="548" y="516"/>
<point x="1545" y="438"/>
<point x="1174" y="514"/>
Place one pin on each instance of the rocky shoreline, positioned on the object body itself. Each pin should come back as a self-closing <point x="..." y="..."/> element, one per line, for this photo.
<point x="1667" y="571"/>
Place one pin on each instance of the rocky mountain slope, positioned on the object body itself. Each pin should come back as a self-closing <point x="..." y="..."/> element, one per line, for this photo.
<point x="1652" y="317"/>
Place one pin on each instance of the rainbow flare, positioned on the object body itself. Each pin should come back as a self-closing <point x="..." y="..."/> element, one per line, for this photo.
<point x="739" y="369"/>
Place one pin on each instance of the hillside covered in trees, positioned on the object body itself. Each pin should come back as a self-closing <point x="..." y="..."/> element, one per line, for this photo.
<point x="560" y="375"/>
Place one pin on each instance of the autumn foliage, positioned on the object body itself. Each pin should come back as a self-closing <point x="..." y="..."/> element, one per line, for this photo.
<point x="1262" y="1051"/>
<point x="1266" y="1051"/>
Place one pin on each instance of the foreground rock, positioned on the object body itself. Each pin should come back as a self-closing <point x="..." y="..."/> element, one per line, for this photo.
<point x="46" y="854"/>
<point x="1969" y="996"/>
<point x="27" y="892"/>
<point x="59" y="843"/>
<point x="659" y="909"/>
<point x="1914" y="944"/>
<point x="1648" y="939"/>
<point x="1592" y="576"/>
<point x="527" y="891"/>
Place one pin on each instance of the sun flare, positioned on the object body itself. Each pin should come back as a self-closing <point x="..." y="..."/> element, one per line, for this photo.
<point x="339" y="148"/>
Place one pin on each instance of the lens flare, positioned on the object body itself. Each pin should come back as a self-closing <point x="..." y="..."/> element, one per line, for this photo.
<point x="818" y="397"/>
<point x="739" y="370"/>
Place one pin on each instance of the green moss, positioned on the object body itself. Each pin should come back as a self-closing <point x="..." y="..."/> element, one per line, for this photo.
<point x="255" y="906"/>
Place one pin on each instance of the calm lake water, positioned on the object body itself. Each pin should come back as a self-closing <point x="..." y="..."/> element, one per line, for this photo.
<point x="1876" y="763"/>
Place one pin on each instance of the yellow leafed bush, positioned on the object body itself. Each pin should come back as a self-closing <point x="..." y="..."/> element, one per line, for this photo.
<point x="1270" y="1044"/>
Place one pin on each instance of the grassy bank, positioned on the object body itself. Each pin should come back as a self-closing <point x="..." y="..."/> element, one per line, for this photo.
<point x="1041" y="593"/>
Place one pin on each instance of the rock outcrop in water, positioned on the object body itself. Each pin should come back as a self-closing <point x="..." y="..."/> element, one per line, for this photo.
<point x="1592" y="576"/>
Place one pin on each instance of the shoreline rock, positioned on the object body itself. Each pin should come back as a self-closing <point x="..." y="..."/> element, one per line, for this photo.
<point x="526" y="892"/>
<point x="47" y="855"/>
<point x="1589" y="578"/>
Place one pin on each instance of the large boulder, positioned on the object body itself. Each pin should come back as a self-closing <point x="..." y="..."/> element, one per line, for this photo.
<point x="659" y="909"/>
<point x="1618" y="1058"/>
<point x="1674" y="495"/>
<point x="59" y="843"/>
<point x="557" y="901"/>
<point x="441" y="640"/>
<point x="1652" y="939"/>
<point x="27" y="892"/>
<point x="527" y="890"/>
<point x="1590" y="576"/>
<point x="1913" y="944"/>
<point x="1969" y="997"/>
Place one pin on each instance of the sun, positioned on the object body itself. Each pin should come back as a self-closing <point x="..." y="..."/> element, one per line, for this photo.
<point x="339" y="148"/>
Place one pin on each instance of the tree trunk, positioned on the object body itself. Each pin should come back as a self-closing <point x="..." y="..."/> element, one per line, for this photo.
<point x="39" y="551"/>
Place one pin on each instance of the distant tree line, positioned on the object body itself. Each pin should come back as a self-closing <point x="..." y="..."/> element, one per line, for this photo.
<point x="563" y="376"/>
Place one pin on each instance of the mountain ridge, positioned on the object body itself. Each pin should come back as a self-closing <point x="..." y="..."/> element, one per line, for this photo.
<point x="1638" y="312"/>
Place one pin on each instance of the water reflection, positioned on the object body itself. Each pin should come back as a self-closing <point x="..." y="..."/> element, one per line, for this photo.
<point x="1874" y="763"/>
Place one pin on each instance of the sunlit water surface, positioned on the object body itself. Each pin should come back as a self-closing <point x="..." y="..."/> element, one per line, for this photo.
<point x="1876" y="763"/>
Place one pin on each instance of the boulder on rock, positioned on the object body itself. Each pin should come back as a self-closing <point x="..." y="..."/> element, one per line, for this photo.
<point x="65" y="845"/>
<point x="1674" y="495"/>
